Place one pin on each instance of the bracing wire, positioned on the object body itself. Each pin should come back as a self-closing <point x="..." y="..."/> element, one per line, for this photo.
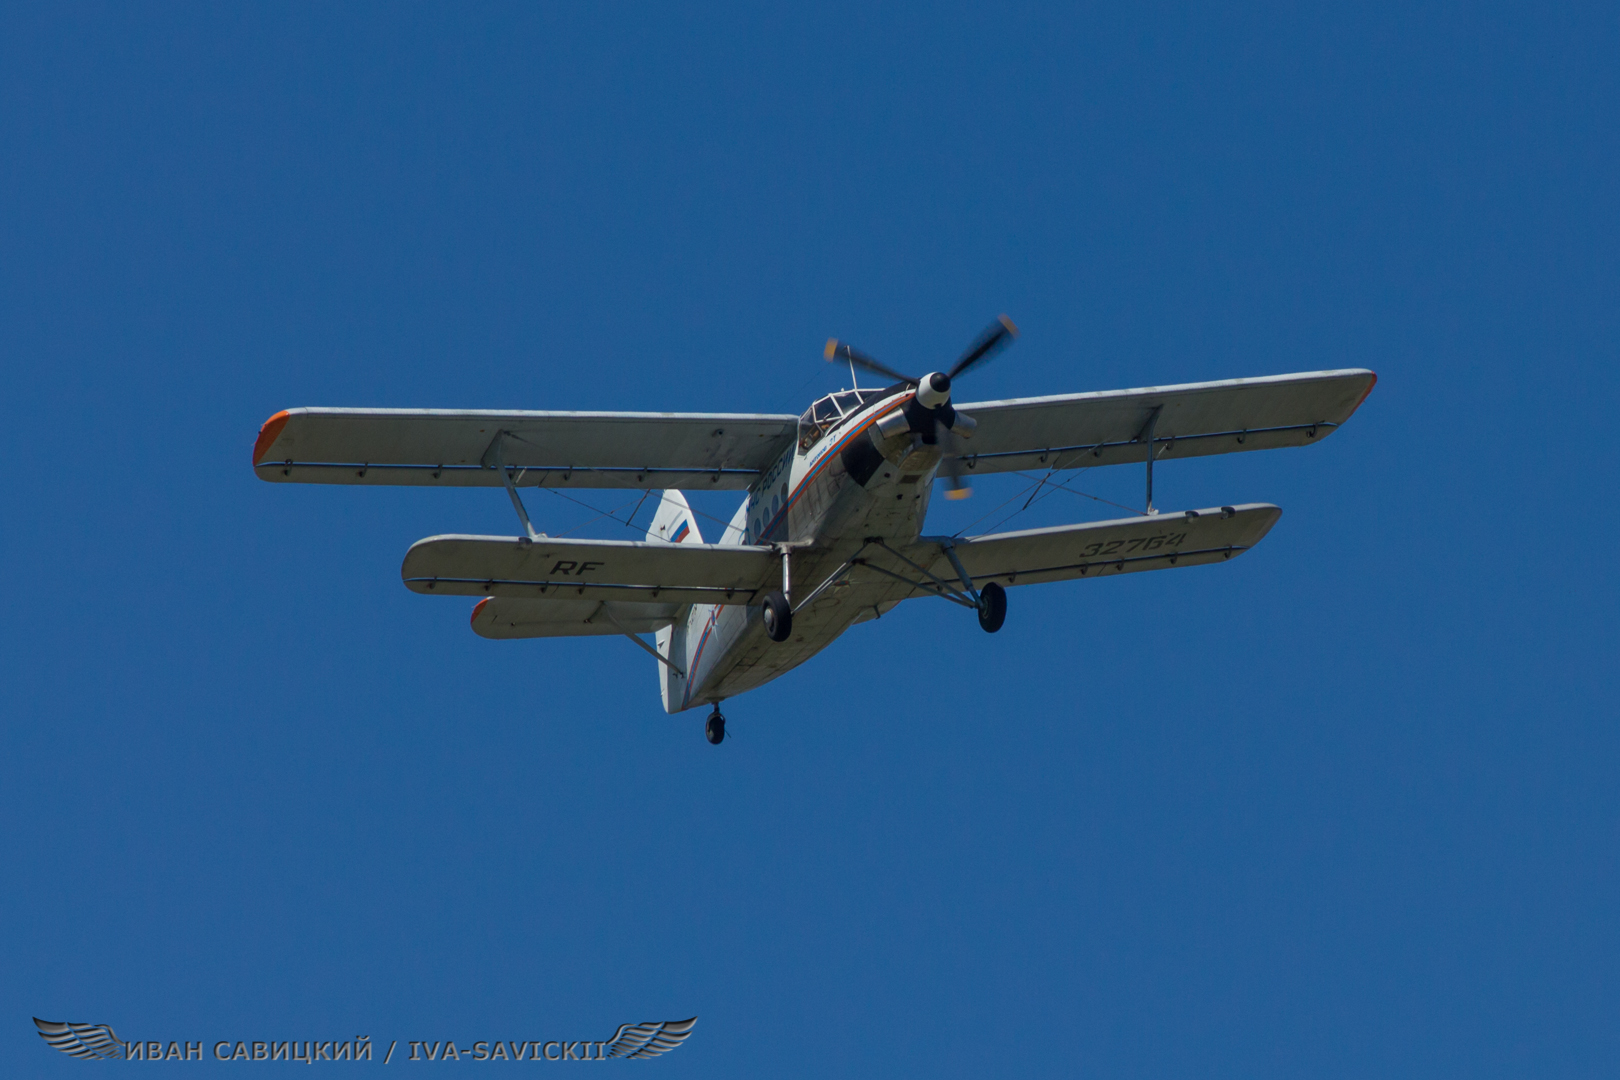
<point x="600" y="515"/>
<point x="1094" y="498"/>
<point x="613" y="514"/>
<point x="1034" y="489"/>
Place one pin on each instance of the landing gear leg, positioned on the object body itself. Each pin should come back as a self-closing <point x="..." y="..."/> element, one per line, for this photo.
<point x="715" y="729"/>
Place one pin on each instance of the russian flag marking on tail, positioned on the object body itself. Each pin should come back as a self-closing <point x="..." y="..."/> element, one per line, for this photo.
<point x="673" y="522"/>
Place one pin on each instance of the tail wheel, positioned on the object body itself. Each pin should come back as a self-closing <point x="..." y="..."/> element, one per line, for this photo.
<point x="992" y="607"/>
<point x="715" y="729"/>
<point x="778" y="616"/>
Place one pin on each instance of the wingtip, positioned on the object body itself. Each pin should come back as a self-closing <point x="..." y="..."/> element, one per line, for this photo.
<point x="1370" y="384"/>
<point x="268" y="432"/>
<point x="476" y="609"/>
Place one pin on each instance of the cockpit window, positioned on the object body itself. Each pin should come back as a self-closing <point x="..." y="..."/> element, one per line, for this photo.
<point x="830" y="411"/>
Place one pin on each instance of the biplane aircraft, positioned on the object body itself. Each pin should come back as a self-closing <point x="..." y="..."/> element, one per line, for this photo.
<point x="830" y="529"/>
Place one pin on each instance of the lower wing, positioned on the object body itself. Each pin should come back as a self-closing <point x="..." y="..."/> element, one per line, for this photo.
<point x="1032" y="556"/>
<point x="551" y="569"/>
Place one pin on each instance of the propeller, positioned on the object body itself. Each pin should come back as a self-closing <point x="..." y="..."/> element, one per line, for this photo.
<point x="838" y="350"/>
<point x="933" y="398"/>
<point x="950" y="462"/>
<point x="996" y="337"/>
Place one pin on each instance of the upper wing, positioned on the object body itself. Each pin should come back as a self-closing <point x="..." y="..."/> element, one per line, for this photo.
<point x="596" y="570"/>
<point x="1108" y="428"/>
<point x="567" y="449"/>
<point x="1186" y="538"/>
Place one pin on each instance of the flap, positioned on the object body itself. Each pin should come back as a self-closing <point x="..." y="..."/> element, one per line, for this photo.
<point x="1108" y="428"/>
<point x="620" y="570"/>
<point x="449" y="448"/>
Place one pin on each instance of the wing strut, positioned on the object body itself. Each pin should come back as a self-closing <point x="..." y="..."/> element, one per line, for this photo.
<point x="656" y="655"/>
<point x="967" y="579"/>
<point x="1147" y="437"/>
<point x="939" y="588"/>
<point x="494" y="459"/>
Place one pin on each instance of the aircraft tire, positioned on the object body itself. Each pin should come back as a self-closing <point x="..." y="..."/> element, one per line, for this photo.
<point x="715" y="729"/>
<point x="992" y="607"/>
<point x="778" y="616"/>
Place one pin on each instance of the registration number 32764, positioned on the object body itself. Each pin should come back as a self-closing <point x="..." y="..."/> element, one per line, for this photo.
<point x="1126" y="547"/>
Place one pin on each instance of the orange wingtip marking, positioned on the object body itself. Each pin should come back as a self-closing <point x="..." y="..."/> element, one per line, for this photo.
<point x="267" y="434"/>
<point x="479" y="607"/>
<point x="1367" y="391"/>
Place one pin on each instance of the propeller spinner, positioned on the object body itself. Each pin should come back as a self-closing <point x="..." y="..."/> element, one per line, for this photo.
<point x="934" y="394"/>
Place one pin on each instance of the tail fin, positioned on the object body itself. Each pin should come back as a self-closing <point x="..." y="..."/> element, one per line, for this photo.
<point x="674" y="523"/>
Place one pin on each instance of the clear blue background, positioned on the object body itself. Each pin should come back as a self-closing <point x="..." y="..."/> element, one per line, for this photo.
<point x="1344" y="807"/>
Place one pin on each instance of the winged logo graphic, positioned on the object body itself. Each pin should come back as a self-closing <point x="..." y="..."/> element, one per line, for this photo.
<point x="90" y="1041"/>
<point x="649" y="1039"/>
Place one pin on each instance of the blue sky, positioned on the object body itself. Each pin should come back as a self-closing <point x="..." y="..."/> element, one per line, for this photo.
<point x="1344" y="807"/>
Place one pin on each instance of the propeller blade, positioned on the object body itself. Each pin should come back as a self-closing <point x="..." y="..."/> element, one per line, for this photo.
<point x="841" y="352"/>
<point x="998" y="336"/>
<point x="950" y="462"/>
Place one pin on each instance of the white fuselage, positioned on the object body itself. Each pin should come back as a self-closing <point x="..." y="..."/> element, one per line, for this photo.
<point x="811" y="504"/>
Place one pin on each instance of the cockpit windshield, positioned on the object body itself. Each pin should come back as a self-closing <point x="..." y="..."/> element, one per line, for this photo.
<point x="830" y="411"/>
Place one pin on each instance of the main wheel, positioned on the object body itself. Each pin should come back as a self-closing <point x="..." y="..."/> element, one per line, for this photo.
<point x="778" y="616"/>
<point x="992" y="607"/>
<point x="715" y="729"/>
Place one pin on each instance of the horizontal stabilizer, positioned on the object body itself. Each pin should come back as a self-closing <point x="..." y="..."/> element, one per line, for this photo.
<point x="1099" y="548"/>
<point x="449" y="448"/>
<point x="616" y="570"/>
<point x="1074" y="431"/>
<point x="508" y="617"/>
